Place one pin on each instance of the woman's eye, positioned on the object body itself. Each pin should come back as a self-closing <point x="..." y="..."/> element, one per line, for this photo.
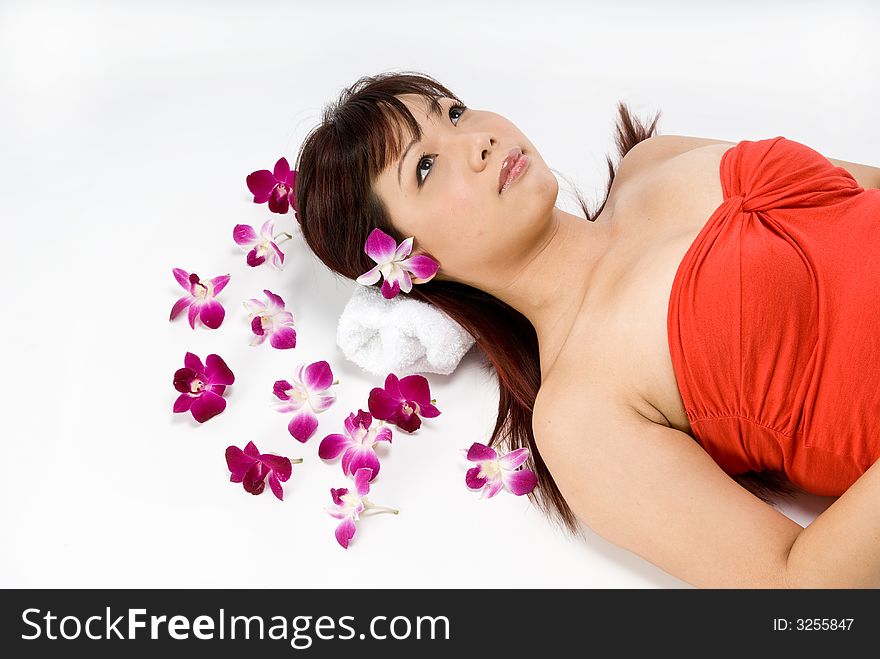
<point x="420" y="180"/>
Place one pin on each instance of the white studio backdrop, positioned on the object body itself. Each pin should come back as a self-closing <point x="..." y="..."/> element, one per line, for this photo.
<point x="126" y="133"/>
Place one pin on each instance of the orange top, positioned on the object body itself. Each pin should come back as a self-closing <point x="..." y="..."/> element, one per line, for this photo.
<point x="774" y="319"/>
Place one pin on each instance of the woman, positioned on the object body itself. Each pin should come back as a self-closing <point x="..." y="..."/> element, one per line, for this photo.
<point x="623" y="343"/>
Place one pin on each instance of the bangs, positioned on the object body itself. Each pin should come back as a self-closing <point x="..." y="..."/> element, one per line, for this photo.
<point x="379" y="124"/>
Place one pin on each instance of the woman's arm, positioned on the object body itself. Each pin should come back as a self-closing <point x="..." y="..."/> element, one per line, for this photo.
<point x="653" y="490"/>
<point x="841" y="548"/>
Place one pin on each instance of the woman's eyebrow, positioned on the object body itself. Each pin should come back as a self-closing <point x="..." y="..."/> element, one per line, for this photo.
<point x="433" y="111"/>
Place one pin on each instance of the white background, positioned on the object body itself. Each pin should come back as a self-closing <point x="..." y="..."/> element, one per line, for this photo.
<point x="126" y="133"/>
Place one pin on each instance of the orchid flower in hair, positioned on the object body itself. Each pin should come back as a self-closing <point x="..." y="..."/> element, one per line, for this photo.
<point x="493" y="472"/>
<point x="200" y="298"/>
<point x="277" y="187"/>
<point x="392" y="264"/>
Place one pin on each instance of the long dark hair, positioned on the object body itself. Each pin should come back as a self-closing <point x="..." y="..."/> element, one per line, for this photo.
<point x="358" y="137"/>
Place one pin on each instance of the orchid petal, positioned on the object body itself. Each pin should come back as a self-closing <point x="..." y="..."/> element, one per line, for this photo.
<point x="212" y="313"/>
<point x="480" y="452"/>
<point x="257" y="326"/>
<point x="217" y="371"/>
<point x="363" y="458"/>
<point x="244" y="235"/>
<point x="278" y="257"/>
<point x="219" y="283"/>
<point x="278" y="203"/>
<point x="254" y="306"/>
<point x="332" y="445"/>
<point x="207" y="405"/>
<point x="514" y="459"/>
<point x="194" y="310"/>
<point x="318" y="376"/>
<point x="261" y="184"/>
<point x="303" y="425"/>
<point x="183" y="403"/>
<point x="422" y="266"/>
<point x="403" y="250"/>
<point x="180" y="305"/>
<point x="415" y="388"/>
<point x="238" y="463"/>
<point x="345" y="532"/>
<point x="275" y="486"/>
<point x="182" y="277"/>
<point x="382" y="406"/>
<point x="390" y="289"/>
<point x="473" y="479"/>
<point x="192" y="362"/>
<point x="280" y="389"/>
<point x="321" y="402"/>
<point x="283" y="338"/>
<point x="362" y="478"/>
<point x="519" y="482"/>
<point x="280" y="465"/>
<point x="492" y="488"/>
<point x="253" y="260"/>
<point x="371" y="276"/>
<point x="380" y="246"/>
<point x="282" y="171"/>
<point x="276" y="302"/>
<point x="383" y="434"/>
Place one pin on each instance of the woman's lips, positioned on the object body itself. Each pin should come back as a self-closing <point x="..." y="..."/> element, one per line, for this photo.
<point x="517" y="171"/>
<point x="513" y="155"/>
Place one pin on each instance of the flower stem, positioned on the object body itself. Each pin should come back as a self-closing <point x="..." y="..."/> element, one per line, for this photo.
<point x="287" y="236"/>
<point x="295" y="461"/>
<point x="382" y="509"/>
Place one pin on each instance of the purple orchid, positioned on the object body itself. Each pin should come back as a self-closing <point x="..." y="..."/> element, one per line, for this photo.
<point x="492" y="473"/>
<point x="263" y="247"/>
<point x="200" y="298"/>
<point x="201" y="386"/>
<point x="276" y="187"/>
<point x="250" y="468"/>
<point x="269" y="319"/>
<point x="348" y="506"/>
<point x="356" y="445"/>
<point x="306" y="396"/>
<point x="402" y="401"/>
<point x="392" y="264"/>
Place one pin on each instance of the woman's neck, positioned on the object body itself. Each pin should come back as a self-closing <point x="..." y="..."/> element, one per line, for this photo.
<point x="550" y="287"/>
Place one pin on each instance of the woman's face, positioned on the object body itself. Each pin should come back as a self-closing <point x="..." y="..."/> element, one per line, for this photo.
<point x="479" y="236"/>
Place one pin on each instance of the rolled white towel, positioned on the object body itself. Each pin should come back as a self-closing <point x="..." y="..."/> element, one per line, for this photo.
<point x="401" y="335"/>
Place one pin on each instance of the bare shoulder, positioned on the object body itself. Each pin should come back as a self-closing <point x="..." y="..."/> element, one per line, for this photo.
<point x="653" y="490"/>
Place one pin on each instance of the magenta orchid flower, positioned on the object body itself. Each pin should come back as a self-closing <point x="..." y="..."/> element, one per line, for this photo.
<point x="348" y="506"/>
<point x="276" y="187"/>
<point x="201" y="386"/>
<point x="402" y="401"/>
<point x="307" y="396"/>
<point x="357" y="445"/>
<point x="200" y="298"/>
<point x="269" y="319"/>
<point x="492" y="473"/>
<point x="250" y="468"/>
<point x="392" y="264"/>
<point x="263" y="247"/>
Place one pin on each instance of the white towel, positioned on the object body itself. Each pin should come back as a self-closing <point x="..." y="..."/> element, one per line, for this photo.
<point x="401" y="335"/>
